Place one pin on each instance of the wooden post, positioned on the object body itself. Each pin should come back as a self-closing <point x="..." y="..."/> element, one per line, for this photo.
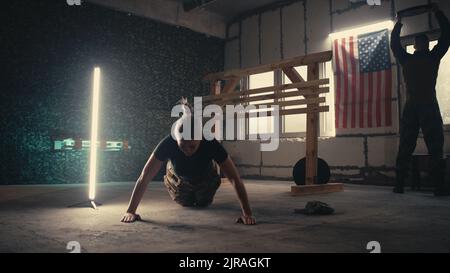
<point x="216" y="89"/>
<point x="312" y="120"/>
<point x="292" y="74"/>
<point x="231" y="84"/>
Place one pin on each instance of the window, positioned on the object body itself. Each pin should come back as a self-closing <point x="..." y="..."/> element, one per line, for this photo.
<point x="295" y="125"/>
<point x="292" y="125"/>
<point x="443" y="83"/>
<point x="327" y="119"/>
<point x="261" y="125"/>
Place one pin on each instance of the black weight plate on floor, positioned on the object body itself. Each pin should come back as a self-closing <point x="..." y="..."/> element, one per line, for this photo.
<point x="323" y="172"/>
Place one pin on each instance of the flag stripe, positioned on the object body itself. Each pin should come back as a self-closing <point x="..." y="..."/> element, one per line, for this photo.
<point x="353" y="66"/>
<point x="382" y="100"/>
<point x="345" y="90"/>
<point x="361" y="100"/>
<point x="378" y="99"/>
<point x="357" y="84"/>
<point x="337" y="82"/>
<point x="388" y="100"/>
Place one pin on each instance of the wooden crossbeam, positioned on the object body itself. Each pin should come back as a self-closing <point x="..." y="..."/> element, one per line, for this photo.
<point x="293" y="74"/>
<point x="294" y="102"/>
<point x="309" y="110"/>
<point x="231" y="84"/>
<point x="291" y="62"/>
<point x="274" y="96"/>
<point x="269" y="112"/>
<point x="298" y="85"/>
<point x="287" y="103"/>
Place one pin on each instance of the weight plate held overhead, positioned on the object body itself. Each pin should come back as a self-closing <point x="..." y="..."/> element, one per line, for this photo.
<point x="413" y="11"/>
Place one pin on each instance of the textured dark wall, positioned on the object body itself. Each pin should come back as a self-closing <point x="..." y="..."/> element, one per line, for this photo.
<point x="48" y="50"/>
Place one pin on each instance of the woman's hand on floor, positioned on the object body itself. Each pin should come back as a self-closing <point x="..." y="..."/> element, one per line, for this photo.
<point x="246" y="220"/>
<point x="130" y="218"/>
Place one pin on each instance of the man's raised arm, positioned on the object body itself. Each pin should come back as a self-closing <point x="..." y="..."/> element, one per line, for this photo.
<point x="396" y="46"/>
<point x="444" y="41"/>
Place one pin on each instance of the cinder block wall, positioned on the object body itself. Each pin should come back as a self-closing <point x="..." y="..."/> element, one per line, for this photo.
<point x="303" y="28"/>
<point x="45" y="86"/>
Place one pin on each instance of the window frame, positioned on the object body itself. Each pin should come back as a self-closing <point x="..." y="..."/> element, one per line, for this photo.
<point x="322" y="132"/>
<point x="279" y="80"/>
<point x="246" y="86"/>
<point x="283" y="133"/>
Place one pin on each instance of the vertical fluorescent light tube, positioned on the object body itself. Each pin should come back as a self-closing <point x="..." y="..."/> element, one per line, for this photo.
<point x="94" y="134"/>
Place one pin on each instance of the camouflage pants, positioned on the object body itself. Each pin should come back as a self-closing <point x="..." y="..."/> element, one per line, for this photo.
<point x="197" y="192"/>
<point x="428" y="118"/>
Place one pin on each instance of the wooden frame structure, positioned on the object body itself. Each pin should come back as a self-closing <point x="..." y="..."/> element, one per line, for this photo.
<point x="310" y="89"/>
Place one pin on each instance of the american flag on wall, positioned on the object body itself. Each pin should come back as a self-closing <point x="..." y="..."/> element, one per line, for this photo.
<point x="363" y="81"/>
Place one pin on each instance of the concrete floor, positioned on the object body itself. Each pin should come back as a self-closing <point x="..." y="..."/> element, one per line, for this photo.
<point x="37" y="219"/>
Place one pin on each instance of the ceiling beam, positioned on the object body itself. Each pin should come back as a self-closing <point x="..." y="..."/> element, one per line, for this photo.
<point x="171" y="12"/>
<point x="189" y="5"/>
<point x="271" y="6"/>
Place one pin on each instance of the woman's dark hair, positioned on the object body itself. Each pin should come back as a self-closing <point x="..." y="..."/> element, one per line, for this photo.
<point x="184" y="102"/>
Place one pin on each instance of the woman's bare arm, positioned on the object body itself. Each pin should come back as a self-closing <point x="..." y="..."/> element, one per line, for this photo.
<point x="231" y="172"/>
<point x="150" y="170"/>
